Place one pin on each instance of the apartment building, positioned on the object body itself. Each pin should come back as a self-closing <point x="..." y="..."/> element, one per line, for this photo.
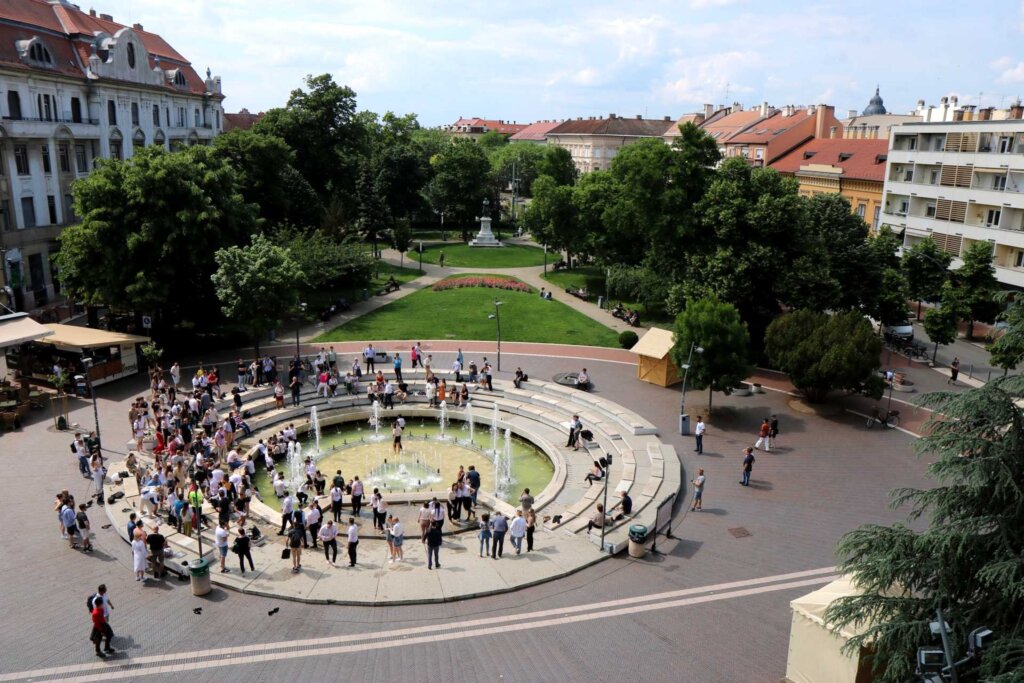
<point x="475" y="128"/>
<point x="76" y="87"/>
<point x="960" y="183"/>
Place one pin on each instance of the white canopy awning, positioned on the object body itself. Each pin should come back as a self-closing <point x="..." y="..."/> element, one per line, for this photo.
<point x="18" y="328"/>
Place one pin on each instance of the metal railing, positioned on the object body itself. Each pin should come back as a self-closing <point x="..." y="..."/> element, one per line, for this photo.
<point x="52" y="119"/>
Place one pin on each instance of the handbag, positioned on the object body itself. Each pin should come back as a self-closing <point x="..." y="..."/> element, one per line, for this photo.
<point x="286" y="553"/>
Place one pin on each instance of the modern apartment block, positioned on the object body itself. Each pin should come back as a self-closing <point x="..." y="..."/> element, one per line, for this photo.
<point x="960" y="183"/>
<point x="75" y="87"/>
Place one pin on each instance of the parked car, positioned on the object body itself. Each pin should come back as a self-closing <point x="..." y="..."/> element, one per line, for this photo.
<point x="900" y="328"/>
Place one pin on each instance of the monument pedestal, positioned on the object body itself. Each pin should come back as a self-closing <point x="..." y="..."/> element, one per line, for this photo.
<point x="485" y="238"/>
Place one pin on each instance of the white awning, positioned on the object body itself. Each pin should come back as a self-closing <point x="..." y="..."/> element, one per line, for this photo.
<point x="75" y="337"/>
<point x="18" y="328"/>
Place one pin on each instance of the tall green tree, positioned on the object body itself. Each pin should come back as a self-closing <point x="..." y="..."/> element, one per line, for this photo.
<point x="149" y="229"/>
<point x="401" y="238"/>
<point x="941" y="324"/>
<point x="552" y="217"/>
<point x="926" y="268"/>
<point x="556" y="162"/>
<point x="976" y="280"/>
<point x="967" y="557"/>
<point x="257" y="285"/>
<point x="717" y="328"/>
<point x="823" y="353"/>
<point x="461" y="181"/>
<point x="1008" y="351"/>
<point x="326" y="263"/>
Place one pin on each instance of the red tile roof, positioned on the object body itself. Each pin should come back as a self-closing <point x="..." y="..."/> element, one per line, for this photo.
<point x="243" y="120"/>
<point x="488" y="125"/>
<point x="858" y="159"/>
<point x="769" y="127"/>
<point x="616" y="125"/>
<point x="723" y="128"/>
<point x="536" y="131"/>
<point x="69" y="32"/>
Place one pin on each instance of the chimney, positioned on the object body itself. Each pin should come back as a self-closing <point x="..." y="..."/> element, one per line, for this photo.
<point x="639" y="118"/>
<point x="1016" y="110"/>
<point x="709" y="109"/>
<point x="107" y="17"/>
<point x="92" y="12"/>
<point x="851" y="114"/>
<point x="764" y="109"/>
<point x="832" y="132"/>
<point x="954" y="100"/>
<point x="958" y="115"/>
<point x="668" y="118"/>
<point x="138" y="27"/>
<point x="720" y="106"/>
<point x="611" y="116"/>
<point x="985" y="114"/>
<point x="822" y="114"/>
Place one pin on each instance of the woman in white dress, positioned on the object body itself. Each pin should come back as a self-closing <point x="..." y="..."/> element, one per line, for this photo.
<point x="139" y="559"/>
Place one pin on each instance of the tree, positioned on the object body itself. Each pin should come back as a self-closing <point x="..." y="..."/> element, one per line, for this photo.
<point x="556" y="163"/>
<point x="976" y="280"/>
<point x="822" y="353"/>
<point x="942" y="324"/>
<point x="552" y="217"/>
<point x="967" y="557"/>
<point x="460" y="183"/>
<point x="492" y="140"/>
<point x="257" y="285"/>
<point x="401" y="238"/>
<point x="1008" y="350"/>
<point x="717" y="328"/>
<point x="149" y="229"/>
<point x="926" y="268"/>
<point x="325" y="263"/>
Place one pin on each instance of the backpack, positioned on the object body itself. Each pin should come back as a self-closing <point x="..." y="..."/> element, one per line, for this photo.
<point x="90" y="602"/>
<point x="73" y="449"/>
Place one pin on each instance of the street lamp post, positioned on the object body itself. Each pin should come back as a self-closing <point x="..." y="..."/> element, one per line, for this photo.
<point x="684" y="422"/>
<point x="421" y="255"/>
<point x="298" y="322"/>
<point x="497" y="319"/>
<point x="87" y="363"/>
<point x="606" y="463"/>
<point x="545" y="259"/>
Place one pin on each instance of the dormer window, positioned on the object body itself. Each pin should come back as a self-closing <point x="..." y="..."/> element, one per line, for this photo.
<point x="38" y="52"/>
<point x="179" y="80"/>
<point x="131" y="56"/>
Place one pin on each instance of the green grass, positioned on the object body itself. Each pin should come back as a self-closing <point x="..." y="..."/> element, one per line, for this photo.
<point x="462" y="314"/>
<point x="593" y="278"/>
<point x="461" y="255"/>
<point x="321" y="298"/>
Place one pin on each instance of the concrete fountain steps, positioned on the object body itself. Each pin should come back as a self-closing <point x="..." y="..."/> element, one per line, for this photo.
<point x="539" y="412"/>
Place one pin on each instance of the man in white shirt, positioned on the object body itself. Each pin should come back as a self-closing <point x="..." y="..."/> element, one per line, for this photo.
<point x="457" y="370"/>
<point x="176" y="374"/>
<point x="222" y="545"/>
<point x="698" y="434"/>
<point x="329" y="535"/>
<point x="389" y="394"/>
<point x="517" y="530"/>
<point x="313" y="517"/>
<point x="353" y="540"/>
<point x="370" y="356"/>
<point x="287" y="506"/>
<point x="280" y="486"/>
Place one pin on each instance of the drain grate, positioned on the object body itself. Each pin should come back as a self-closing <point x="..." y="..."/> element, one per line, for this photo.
<point x="739" y="532"/>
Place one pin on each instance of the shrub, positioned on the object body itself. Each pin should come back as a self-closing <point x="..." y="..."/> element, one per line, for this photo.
<point x="628" y="339"/>
<point x="509" y="283"/>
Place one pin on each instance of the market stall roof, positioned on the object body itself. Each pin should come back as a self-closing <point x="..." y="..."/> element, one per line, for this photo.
<point x="814" y="604"/>
<point x="656" y="343"/>
<point x="18" y="328"/>
<point x="73" y="336"/>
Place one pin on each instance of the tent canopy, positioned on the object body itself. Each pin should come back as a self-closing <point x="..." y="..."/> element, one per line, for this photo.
<point x="18" y="328"/>
<point x="75" y="337"/>
<point x="814" y="604"/>
<point x="656" y="343"/>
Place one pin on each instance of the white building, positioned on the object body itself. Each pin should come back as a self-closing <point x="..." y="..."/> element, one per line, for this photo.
<point x="76" y="87"/>
<point x="960" y="183"/>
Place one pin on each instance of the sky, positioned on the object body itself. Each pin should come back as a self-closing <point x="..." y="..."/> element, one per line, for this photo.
<point x="533" y="60"/>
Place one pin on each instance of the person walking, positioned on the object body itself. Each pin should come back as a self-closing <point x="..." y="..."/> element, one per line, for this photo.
<point x="139" y="558"/>
<point x="748" y="465"/>
<point x="101" y="631"/>
<point x="353" y="541"/>
<point x="698" y="490"/>
<point x="773" y="431"/>
<point x="499" y="527"/>
<point x="157" y="543"/>
<point x="84" y="527"/>
<point x="296" y="387"/>
<point x="357" y="496"/>
<point x="221" y="534"/>
<point x="243" y="548"/>
<point x="397" y="539"/>
<point x="531" y="526"/>
<point x="397" y="363"/>
<point x="762" y="436"/>
<point x="517" y="531"/>
<point x="698" y="435"/>
<point x="954" y="370"/>
<point x="313" y="517"/>
<point x="440" y="259"/>
<point x="329" y="535"/>
<point x="424" y="519"/>
<point x="434" y="540"/>
<point x="337" y="492"/>
<point x="485" y="534"/>
<point x="296" y="537"/>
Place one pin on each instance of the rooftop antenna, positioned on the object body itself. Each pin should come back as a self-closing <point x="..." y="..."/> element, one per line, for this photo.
<point x="727" y="84"/>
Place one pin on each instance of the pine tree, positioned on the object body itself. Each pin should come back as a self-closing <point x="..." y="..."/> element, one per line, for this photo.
<point x="968" y="560"/>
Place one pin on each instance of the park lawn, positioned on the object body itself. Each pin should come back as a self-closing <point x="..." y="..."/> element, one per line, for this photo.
<point x="325" y="297"/>
<point x="593" y="278"/>
<point x="461" y="255"/>
<point x="462" y="314"/>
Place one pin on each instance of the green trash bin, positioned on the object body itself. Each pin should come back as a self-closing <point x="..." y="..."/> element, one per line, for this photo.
<point x="637" y="538"/>
<point x="199" y="572"/>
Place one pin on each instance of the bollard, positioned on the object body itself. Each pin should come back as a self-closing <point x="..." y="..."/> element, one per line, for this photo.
<point x="970" y="372"/>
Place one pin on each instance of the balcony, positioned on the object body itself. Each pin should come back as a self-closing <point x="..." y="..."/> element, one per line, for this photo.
<point x="25" y="127"/>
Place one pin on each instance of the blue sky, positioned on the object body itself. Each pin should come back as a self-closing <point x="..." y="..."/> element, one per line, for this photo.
<point x="534" y="60"/>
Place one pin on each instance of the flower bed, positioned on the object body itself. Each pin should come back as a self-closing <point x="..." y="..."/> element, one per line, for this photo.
<point x="509" y="283"/>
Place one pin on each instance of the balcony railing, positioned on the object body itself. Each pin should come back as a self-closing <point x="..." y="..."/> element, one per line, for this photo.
<point x="54" y="119"/>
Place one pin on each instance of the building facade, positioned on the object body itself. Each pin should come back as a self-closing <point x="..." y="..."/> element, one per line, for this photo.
<point x="960" y="183"/>
<point x="475" y="128"/>
<point x="76" y="87"/>
<point x="854" y="169"/>
<point x="595" y="141"/>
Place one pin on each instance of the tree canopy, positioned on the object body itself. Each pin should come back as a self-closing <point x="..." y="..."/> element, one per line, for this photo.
<point x="979" y="289"/>
<point x="717" y="328"/>
<point x="460" y="183"/>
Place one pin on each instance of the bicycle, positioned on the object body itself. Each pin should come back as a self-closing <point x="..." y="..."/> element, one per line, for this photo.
<point x="890" y="420"/>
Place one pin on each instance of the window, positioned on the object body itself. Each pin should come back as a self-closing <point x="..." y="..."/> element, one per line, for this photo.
<point x="929" y="211"/>
<point x="131" y="56"/>
<point x="167" y="115"/>
<point x="218" y="119"/>
<point x="877" y="218"/>
<point x="37" y="281"/>
<point x="64" y="157"/>
<point x="38" y="53"/>
<point x="934" y="177"/>
<point x="111" y="113"/>
<point x="908" y="175"/>
<point x="115" y="150"/>
<point x="156" y="115"/>
<point x="1018" y="260"/>
<point x="135" y="111"/>
<point x="13" y="105"/>
<point x="45" y="151"/>
<point x="28" y="212"/>
<point x="76" y="110"/>
<point x="54" y="272"/>
<point x="992" y="217"/>
<point x="999" y="183"/>
<point x="5" y="213"/>
<point x="21" y="159"/>
<point x="862" y="210"/>
<point x="1005" y="142"/>
<point x="51" y="205"/>
<point x="759" y="153"/>
<point x="45" y="105"/>
<point x="81" y="161"/>
<point x="904" y="205"/>
<point x="912" y="143"/>
<point x="181" y="118"/>
<point x="69" y="208"/>
<point x="179" y="80"/>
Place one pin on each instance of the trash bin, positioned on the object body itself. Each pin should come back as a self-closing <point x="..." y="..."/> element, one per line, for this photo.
<point x="199" y="571"/>
<point x="637" y="538"/>
<point x="81" y="386"/>
<point x="684" y="424"/>
<point x="600" y="302"/>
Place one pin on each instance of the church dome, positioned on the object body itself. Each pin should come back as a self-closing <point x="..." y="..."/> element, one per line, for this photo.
<point x="875" y="106"/>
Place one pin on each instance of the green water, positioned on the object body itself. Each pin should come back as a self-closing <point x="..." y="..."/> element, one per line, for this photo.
<point x="424" y="465"/>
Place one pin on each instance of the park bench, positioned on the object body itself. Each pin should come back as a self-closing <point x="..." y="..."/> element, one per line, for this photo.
<point x="390" y="286"/>
<point x="579" y="294"/>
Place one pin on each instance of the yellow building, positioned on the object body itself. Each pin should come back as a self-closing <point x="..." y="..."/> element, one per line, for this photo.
<point x="854" y="169"/>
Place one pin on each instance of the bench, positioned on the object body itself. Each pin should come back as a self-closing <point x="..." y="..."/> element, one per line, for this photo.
<point x="388" y="288"/>
<point x="579" y="294"/>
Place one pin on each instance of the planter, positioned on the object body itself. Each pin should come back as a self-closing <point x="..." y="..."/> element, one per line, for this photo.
<point x="757" y="389"/>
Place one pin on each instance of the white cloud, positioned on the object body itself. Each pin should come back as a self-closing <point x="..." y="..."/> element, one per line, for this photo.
<point x="1009" y="73"/>
<point x="707" y="79"/>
